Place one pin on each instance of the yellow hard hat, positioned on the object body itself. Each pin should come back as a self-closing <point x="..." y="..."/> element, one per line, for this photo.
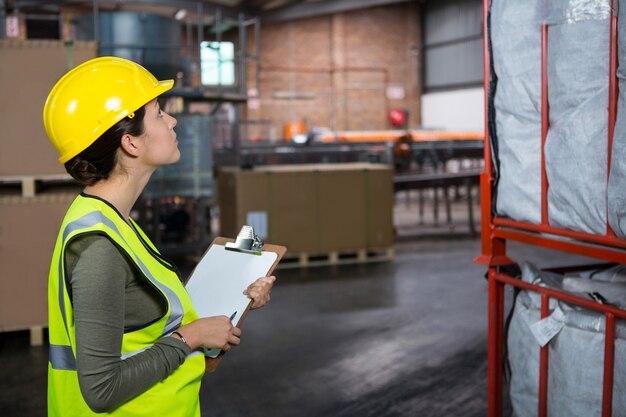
<point x="92" y="97"/>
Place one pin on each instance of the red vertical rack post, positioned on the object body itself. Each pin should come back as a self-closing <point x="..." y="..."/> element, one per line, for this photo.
<point x="493" y="249"/>
<point x="609" y="361"/>
<point x="613" y="90"/>
<point x="545" y="122"/>
<point x="543" y="363"/>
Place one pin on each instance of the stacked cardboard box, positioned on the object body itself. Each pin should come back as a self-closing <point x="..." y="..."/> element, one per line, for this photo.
<point x="29" y="221"/>
<point x="29" y="70"/>
<point x="310" y="208"/>
<point x="28" y="231"/>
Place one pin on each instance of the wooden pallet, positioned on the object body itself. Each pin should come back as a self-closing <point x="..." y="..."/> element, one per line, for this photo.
<point x="37" y="334"/>
<point x="28" y="184"/>
<point x="307" y="259"/>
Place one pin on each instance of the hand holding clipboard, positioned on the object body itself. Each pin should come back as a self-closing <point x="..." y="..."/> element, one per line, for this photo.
<point x="225" y="271"/>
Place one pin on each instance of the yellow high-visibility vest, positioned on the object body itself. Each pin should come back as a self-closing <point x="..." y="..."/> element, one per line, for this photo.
<point x="176" y="395"/>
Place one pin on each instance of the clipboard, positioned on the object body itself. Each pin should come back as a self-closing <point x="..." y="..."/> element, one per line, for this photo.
<point x="226" y="269"/>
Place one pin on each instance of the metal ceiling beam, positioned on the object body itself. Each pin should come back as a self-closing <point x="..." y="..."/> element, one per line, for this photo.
<point x="255" y="4"/>
<point x="261" y="5"/>
<point x="303" y="10"/>
<point x="208" y="6"/>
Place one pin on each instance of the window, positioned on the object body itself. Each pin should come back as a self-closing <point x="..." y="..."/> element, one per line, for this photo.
<point x="217" y="63"/>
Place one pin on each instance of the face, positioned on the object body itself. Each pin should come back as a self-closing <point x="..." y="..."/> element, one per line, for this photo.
<point x="159" y="139"/>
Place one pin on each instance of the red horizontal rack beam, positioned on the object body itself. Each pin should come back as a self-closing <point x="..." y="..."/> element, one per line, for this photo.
<point x="607" y="248"/>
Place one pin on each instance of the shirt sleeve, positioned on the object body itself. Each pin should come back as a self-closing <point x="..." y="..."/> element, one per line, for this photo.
<point x="98" y="278"/>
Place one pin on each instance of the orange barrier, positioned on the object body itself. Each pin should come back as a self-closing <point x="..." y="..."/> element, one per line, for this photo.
<point x="394" y="135"/>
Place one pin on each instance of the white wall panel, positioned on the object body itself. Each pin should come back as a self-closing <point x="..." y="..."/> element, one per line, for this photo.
<point x="454" y="110"/>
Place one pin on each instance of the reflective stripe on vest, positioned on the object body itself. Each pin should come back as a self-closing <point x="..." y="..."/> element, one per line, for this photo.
<point x="62" y="358"/>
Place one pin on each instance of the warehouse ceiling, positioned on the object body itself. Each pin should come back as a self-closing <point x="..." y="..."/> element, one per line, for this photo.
<point x="267" y="10"/>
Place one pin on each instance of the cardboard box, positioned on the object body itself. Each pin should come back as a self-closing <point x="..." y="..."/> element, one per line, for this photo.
<point x="28" y="232"/>
<point x="29" y="70"/>
<point x="342" y="220"/>
<point x="317" y="208"/>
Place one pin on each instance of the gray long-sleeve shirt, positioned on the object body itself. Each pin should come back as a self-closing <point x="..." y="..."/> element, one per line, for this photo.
<point x="109" y="297"/>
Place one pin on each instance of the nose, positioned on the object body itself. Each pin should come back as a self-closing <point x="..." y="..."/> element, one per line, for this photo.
<point x="173" y="122"/>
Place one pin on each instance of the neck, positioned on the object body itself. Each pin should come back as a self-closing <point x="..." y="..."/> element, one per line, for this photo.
<point x="121" y="190"/>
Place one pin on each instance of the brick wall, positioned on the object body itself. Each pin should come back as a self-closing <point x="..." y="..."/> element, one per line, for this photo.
<point x="333" y="71"/>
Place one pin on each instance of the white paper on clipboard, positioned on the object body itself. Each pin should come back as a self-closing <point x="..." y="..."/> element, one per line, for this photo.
<point x="217" y="283"/>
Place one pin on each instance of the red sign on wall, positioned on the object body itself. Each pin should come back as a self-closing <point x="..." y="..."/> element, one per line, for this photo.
<point x="398" y="117"/>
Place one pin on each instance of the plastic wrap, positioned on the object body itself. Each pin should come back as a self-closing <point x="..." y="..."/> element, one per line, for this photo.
<point x="576" y="146"/>
<point x="609" y="284"/>
<point x="572" y="11"/>
<point x="617" y="180"/>
<point x="576" y="349"/>
<point x="516" y="52"/>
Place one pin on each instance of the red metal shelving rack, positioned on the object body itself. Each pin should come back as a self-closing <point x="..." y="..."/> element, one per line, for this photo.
<point x="495" y="231"/>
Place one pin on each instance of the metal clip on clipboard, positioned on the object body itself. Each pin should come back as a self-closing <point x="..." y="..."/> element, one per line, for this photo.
<point x="247" y="242"/>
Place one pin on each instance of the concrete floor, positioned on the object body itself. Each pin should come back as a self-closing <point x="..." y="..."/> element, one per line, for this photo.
<point x="402" y="338"/>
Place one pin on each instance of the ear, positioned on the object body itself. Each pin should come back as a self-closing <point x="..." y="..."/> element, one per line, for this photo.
<point x="131" y="145"/>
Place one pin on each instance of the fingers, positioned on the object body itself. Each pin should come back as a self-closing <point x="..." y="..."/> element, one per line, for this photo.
<point x="234" y="340"/>
<point x="262" y="283"/>
<point x="231" y="342"/>
<point x="259" y="291"/>
<point x="259" y="297"/>
<point x="233" y="337"/>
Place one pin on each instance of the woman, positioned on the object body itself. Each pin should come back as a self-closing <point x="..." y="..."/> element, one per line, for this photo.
<point x="124" y="337"/>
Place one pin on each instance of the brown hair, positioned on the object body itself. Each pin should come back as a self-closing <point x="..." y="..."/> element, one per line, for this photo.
<point x="97" y="161"/>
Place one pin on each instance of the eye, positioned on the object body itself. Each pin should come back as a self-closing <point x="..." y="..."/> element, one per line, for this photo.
<point x="160" y="113"/>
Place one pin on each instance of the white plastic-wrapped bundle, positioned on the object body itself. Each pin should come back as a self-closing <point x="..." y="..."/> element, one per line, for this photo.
<point x="516" y="50"/>
<point x="576" y="346"/>
<point x="617" y="179"/>
<point x="609" y="283"/>
<point x="576" y="146"/>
